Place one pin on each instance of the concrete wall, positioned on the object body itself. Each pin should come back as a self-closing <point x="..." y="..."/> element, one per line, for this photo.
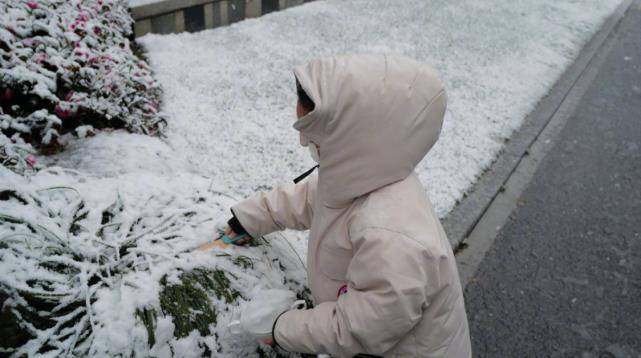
<point x="167" y="16"/>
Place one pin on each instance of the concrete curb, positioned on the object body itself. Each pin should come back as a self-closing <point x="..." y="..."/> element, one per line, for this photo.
<point x="460" y="222"/>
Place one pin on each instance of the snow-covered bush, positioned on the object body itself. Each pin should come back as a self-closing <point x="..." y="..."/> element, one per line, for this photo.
<point x="66" y="66"/>
<point x="87" y="267"/>
<point x="78" y="278"/>
<point x="17" y="155"/>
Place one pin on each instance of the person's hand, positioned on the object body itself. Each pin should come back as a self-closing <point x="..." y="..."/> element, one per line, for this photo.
<point x="229" y="232"/>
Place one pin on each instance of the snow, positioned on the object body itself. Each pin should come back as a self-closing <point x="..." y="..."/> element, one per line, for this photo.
<point x="159" y="200"/>
<point x="230" y="91"/>
<point x="229" y="95"/>
<point x="136" y="3"/>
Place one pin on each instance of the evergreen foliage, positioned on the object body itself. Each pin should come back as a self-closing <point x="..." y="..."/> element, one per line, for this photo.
<point x="60" y="257"/>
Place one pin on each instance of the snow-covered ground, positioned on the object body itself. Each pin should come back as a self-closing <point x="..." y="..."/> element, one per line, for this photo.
<point x="230" y="91"/>
<point x="229" y="96"/>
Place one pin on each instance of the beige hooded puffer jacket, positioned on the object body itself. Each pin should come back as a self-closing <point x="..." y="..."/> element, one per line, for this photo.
<point x="380" y="267"/>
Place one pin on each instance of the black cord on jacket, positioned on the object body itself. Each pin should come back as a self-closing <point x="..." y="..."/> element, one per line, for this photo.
<point x="304" y="175"/>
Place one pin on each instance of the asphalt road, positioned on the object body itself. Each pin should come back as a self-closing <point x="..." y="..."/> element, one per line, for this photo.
<point x="563" y="278"/>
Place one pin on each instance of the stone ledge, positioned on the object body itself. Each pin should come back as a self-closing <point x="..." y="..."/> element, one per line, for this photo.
<point x="162" y="7"/>
<point x="171" y="16"/>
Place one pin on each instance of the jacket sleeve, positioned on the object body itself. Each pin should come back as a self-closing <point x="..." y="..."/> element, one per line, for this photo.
<point x="387" y="292"/>
<point x="288" y="206"/>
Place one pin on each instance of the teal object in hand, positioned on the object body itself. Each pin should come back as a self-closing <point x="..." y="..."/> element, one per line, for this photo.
<point x="231" y="240"/>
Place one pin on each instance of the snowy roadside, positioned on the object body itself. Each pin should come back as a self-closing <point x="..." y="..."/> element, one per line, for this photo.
<point x="230" y="100"/>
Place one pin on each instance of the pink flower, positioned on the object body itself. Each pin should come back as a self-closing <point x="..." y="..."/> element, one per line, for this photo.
<point x="81" y="54"/>
<point x="32" y="4"/>
<point x="82" y="17"/>
<point x="31" y="160"/>
<point x="77" y="24"/>
<point x="97" y="30"/>
<point x="150" y="108"/>
<point x="62" y="113"/>
<point x="40" y="57"/>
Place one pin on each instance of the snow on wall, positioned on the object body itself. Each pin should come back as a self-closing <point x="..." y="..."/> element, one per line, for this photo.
<point x="134" y="3"/>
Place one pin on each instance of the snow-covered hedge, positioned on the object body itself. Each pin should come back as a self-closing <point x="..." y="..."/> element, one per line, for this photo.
<point x="17" y="155"/>
<point x="93" y="267"/>
<point x="81" y="278"/>
<point x="66" y="66"/>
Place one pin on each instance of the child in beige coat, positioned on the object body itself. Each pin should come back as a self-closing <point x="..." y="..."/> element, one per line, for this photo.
<point x="380" y="267"/>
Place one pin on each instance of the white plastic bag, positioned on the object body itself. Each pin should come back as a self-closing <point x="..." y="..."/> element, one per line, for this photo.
<point x="258" y="315"/>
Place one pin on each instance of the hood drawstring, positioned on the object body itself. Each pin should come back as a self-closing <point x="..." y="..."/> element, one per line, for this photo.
<point x="304" y="175"/>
